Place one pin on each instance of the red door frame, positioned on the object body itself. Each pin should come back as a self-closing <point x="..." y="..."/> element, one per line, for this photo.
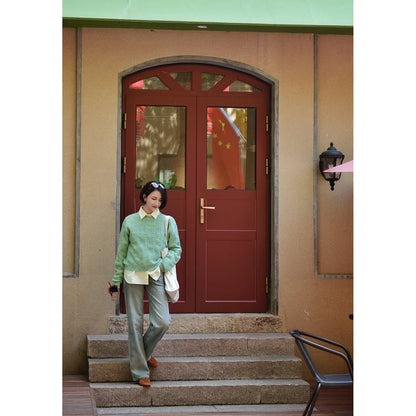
<point x="184" y="204"/>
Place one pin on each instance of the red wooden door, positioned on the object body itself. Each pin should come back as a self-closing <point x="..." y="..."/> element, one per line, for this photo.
<point x="201" y="131"/>
<point x="232" y="239"/>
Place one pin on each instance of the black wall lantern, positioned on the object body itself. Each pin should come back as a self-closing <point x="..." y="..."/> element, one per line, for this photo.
<point x="329" y="159"/>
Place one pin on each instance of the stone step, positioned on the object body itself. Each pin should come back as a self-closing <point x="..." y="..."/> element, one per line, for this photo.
<point x="209" y="410"/>
<point x="194" y="345"/>
<point x="200" y="368"/>
<point x="214" y="323"/>
<point x="201" y="392"/>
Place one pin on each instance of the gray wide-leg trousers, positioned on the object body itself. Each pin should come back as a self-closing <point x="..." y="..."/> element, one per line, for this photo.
<point x="141" y="346"/>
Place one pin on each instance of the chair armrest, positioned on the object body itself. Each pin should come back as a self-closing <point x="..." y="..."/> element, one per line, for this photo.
<point x="329" y="341"/>
<point x="299" y="336"/>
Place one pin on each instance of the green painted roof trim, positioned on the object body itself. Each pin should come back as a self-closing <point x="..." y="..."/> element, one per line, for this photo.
<point x="305" y="16"/>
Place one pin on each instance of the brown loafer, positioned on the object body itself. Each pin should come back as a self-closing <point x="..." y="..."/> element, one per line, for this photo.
<point x="153" y="362"/>
<point x="145" y="382"/>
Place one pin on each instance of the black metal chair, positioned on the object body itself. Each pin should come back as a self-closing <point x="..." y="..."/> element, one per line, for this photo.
<point x="304" y="339"/>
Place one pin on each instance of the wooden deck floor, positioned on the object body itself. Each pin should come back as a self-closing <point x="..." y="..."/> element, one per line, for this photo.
<point x="76" y="396"/>
<point x="77" y="401"/>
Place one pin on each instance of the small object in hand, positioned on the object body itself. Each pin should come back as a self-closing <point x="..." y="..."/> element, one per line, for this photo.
<point x="112" y="289"/>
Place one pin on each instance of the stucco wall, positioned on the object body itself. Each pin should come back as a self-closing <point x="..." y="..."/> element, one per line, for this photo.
<point x="335" y="123"/>
<point x="69" y="74"/>
<point x="317" y="304"/>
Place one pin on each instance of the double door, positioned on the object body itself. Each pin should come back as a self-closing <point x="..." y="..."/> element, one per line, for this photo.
<point x="202" y="131"/>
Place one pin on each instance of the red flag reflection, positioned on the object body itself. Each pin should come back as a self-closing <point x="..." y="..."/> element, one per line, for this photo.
<point x="228" y="173"/>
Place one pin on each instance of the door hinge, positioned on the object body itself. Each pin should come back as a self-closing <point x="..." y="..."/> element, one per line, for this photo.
<point x="267" y="285"/>
<point x="124" y="121"/>
<point x="267" y="165"/>
<point x="267" y="123"/>
<point x="124" y="164"/>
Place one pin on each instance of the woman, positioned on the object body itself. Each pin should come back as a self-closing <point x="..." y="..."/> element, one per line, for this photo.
<point x="140" y="263"/>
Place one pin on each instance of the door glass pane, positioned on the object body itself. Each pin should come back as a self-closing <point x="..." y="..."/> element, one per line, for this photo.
<point x="209" y="80"/>
<point x="160" y="146"/>
<point x="240" y="86"/>
<point x="151" y="83"/>
<point x="182" y="78"/>
<point x="231" y="148"/>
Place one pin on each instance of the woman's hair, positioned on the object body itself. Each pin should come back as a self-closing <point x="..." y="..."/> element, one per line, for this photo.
<point x="154" y="186"/>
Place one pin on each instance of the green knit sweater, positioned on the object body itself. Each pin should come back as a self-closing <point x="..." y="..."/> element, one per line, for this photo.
<point x="141" y="242"/>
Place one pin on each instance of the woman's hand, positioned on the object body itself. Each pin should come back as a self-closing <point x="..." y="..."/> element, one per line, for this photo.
<point x="112" y="291"/>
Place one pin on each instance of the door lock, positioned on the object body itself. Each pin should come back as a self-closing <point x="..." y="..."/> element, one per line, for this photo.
<point x="201" y="210"/>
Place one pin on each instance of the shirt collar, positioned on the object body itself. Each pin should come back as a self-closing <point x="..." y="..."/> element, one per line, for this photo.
<point x="143" y="214"/>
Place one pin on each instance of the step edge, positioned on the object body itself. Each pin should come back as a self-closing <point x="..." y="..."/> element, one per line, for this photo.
<point x="210" y="358"/>
<point x="217" y="408"/>
<point x="203" y="383"/>
<point x="263" y="335"/>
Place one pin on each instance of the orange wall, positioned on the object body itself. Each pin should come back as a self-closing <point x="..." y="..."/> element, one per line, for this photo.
<point x="69" y="148"/>
<point x="335" y="123"/>
<point x="315" y="304"/>
<point x="307" y="302"/>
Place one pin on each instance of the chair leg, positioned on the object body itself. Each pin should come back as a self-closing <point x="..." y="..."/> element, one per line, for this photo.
<point x="309" y="407"/>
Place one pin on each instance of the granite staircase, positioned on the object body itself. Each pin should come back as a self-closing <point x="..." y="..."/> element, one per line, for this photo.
<point x="205" y="360"/>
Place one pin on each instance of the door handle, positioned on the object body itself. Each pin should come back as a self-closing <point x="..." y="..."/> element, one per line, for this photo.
<point x="204" y="207"/>
<point x="201" y="210"/>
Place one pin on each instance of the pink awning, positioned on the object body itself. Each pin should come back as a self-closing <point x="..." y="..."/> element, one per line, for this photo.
<point x="345" y="167"/>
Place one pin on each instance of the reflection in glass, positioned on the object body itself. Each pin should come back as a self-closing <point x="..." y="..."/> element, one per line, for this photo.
<point x="240" y="86"/>
<point x="209" y="80"/>
<point x="160" y="146"/>
<point x="152" y="83"/>
<point x="183" y="79"/>
<point x="231" y="148"/>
